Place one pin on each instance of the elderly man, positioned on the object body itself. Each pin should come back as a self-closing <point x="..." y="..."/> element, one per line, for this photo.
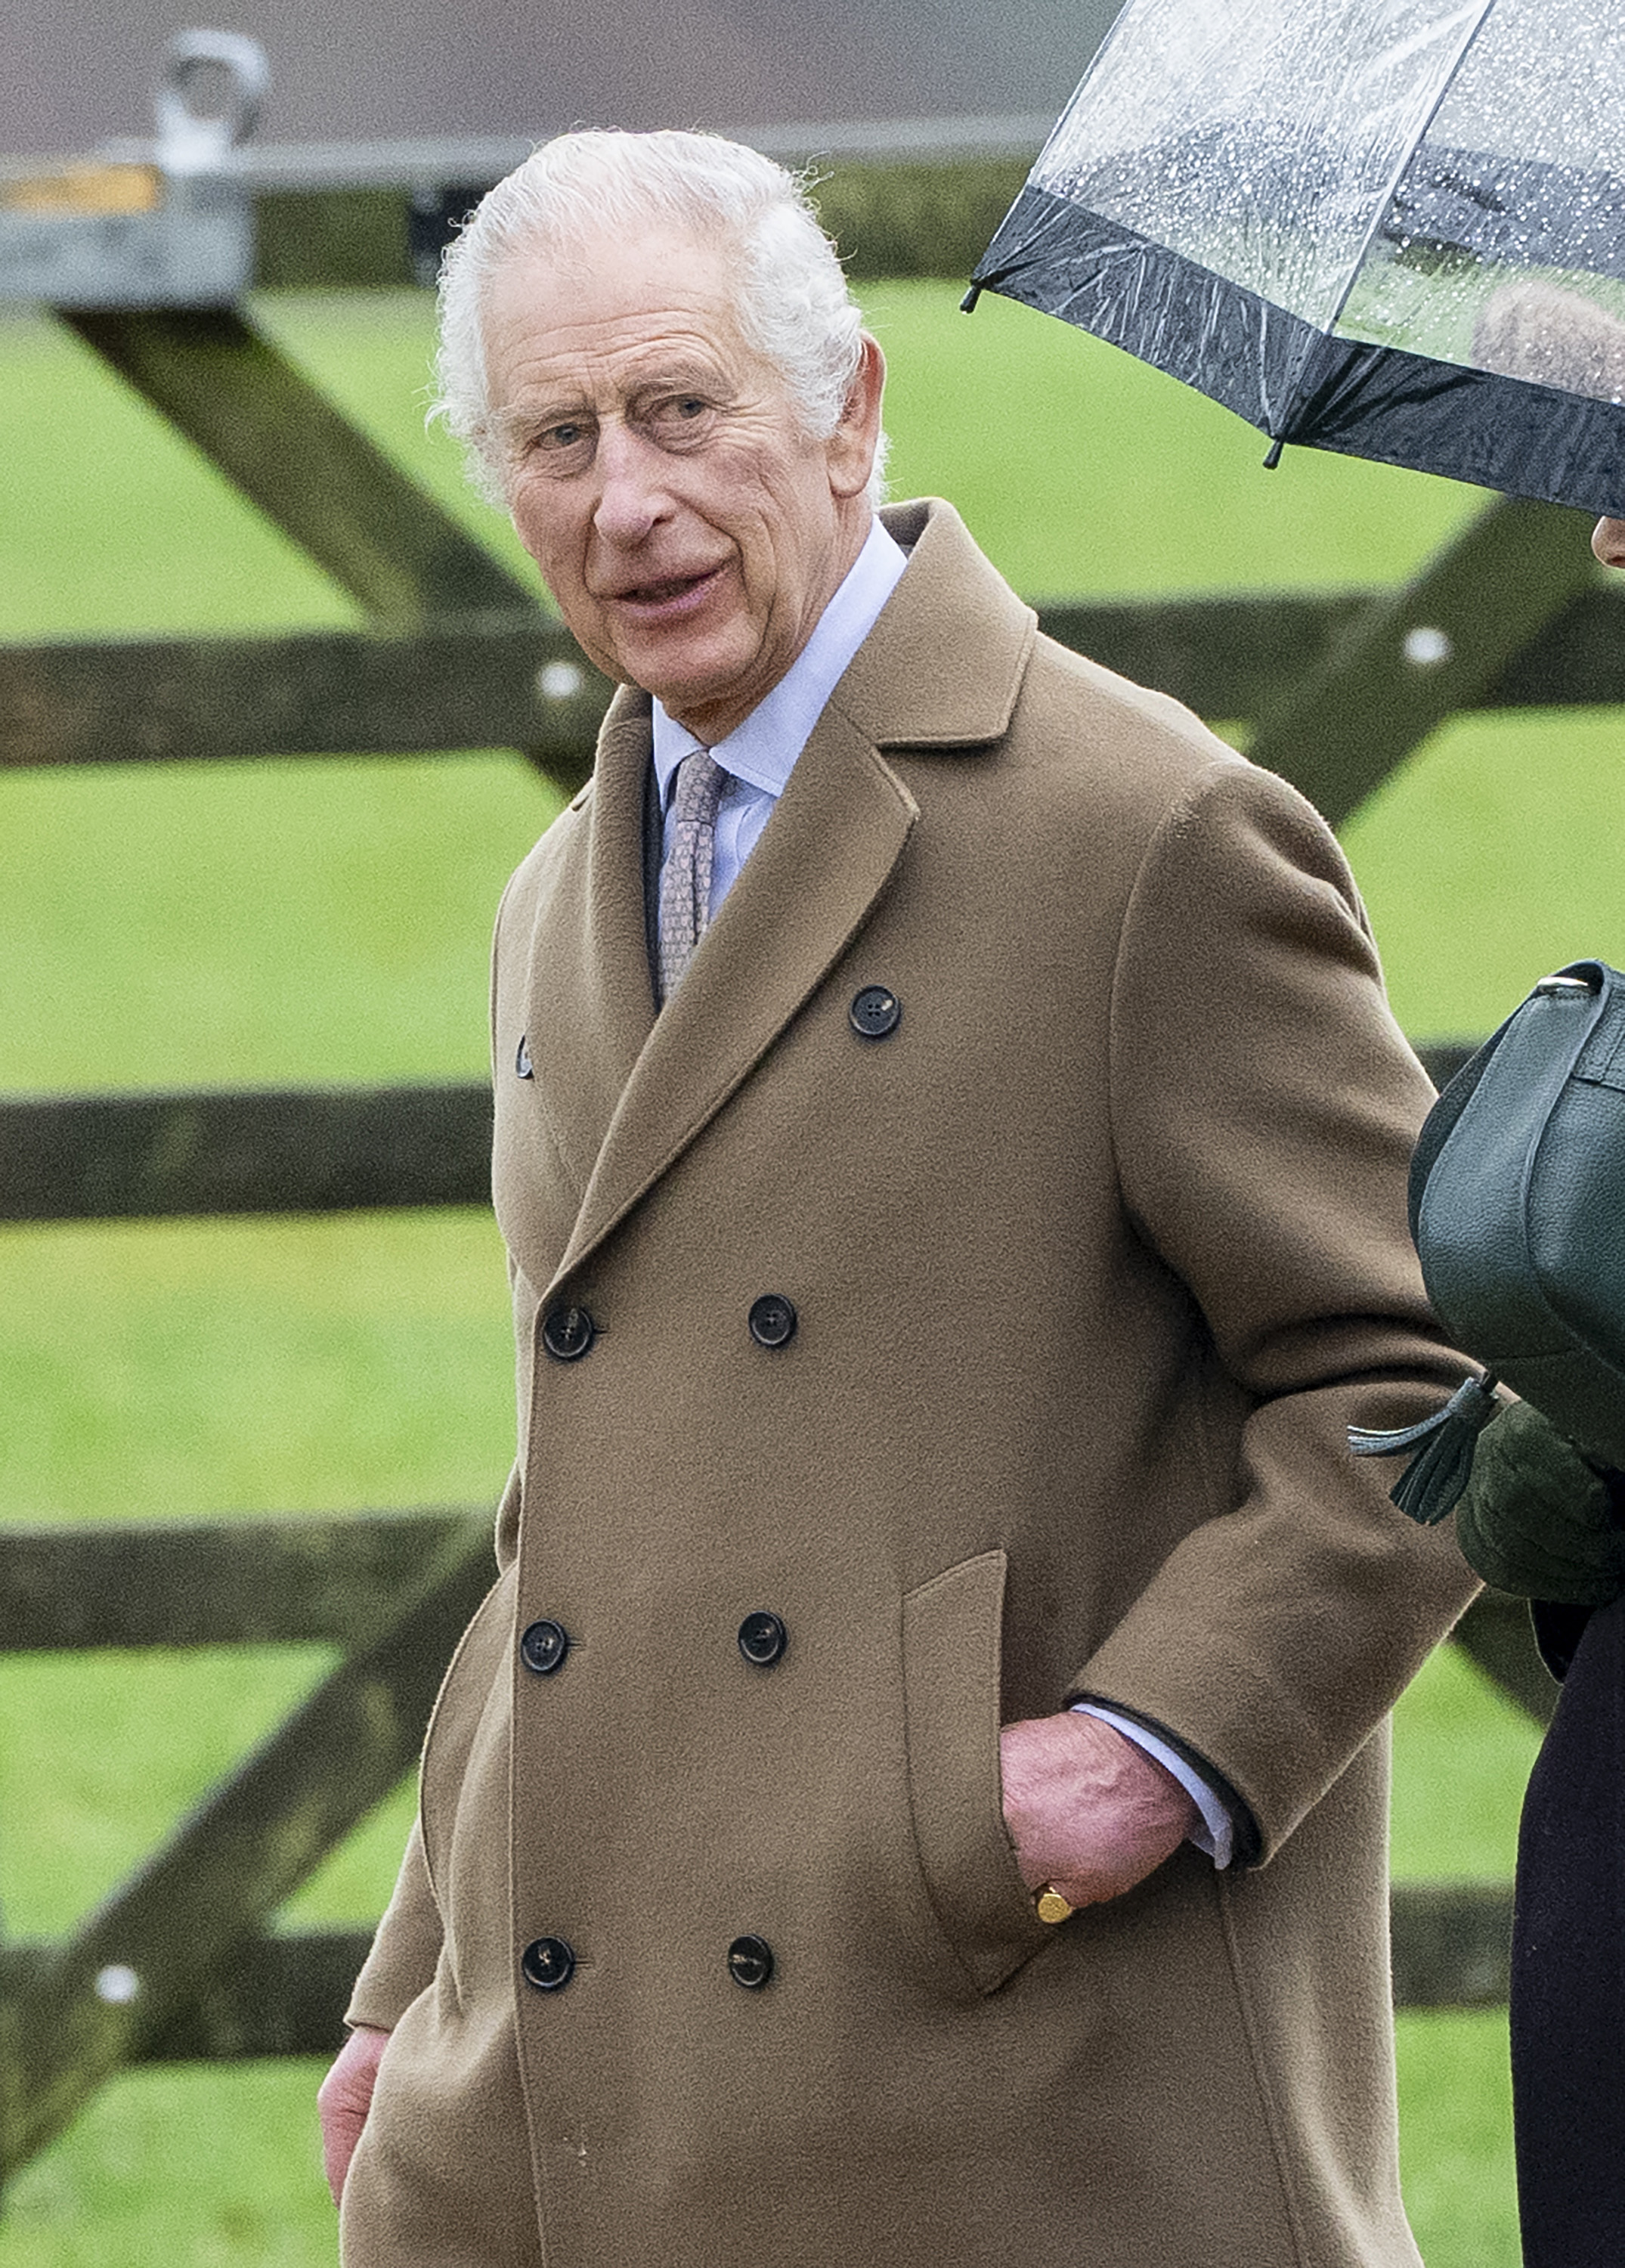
<point x="915" y="1791"/>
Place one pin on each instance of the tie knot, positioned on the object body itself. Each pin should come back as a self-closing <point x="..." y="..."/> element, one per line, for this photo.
<point x="697" y="790"/>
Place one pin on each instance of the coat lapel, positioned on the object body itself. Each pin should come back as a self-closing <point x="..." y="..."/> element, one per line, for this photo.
<point x="589" y="997"/>
<point x="940" y="670"/>
<point x="806" y="890"/>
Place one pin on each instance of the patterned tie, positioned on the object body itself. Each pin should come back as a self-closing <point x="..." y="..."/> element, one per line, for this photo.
<point x="686" y="877"/>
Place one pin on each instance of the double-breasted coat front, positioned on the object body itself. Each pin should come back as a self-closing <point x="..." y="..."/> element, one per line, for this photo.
<point x="948" y="1306"/>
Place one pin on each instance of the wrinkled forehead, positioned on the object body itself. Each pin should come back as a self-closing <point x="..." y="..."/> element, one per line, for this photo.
<point x="615" y="275"/>
<point x="615" y="304"/>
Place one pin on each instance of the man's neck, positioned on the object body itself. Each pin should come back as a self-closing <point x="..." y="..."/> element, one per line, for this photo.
<point x="763" y="747"/>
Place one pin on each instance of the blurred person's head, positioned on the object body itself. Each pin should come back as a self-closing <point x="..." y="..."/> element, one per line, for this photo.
<point x="1551" y="336"/>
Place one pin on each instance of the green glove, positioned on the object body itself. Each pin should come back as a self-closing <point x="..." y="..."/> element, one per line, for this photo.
<point x="1536" y="1519"/>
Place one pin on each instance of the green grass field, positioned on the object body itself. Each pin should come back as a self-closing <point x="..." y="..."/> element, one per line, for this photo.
<point x="308" y="921"/>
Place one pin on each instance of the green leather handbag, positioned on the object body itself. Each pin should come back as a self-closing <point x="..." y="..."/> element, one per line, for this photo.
<point x="1518" y="1211"/>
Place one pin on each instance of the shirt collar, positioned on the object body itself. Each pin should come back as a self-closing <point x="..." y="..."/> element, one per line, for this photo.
<point x="763" y="749"/>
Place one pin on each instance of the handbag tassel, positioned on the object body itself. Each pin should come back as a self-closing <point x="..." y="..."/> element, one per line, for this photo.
<point x="1432" y="1484"/>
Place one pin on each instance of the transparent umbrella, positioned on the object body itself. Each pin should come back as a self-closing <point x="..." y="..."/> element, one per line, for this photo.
<point x="1394" y="228"/>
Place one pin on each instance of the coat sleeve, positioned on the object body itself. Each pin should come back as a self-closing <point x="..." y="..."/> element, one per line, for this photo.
<point x="406" y="1948"/>
<point x="1264" y="1109"/>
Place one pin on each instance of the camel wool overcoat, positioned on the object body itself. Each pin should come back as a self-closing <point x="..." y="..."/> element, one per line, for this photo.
<point x="950" y="1305"/>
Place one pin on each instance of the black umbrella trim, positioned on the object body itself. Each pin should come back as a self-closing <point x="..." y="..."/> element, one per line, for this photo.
<point x="1215" y="335"/>
<point x="1292" y="381"/>
<point x="1505" y="433"/>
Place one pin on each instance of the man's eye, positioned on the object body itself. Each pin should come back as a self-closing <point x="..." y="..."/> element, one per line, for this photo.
<point x="559" y="436"/>
<point x="681" y="414"/>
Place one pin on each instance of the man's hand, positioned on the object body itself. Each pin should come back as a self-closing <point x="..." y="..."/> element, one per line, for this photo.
<point x="344" y="2098"/>
<point x="1086" y="1809"/>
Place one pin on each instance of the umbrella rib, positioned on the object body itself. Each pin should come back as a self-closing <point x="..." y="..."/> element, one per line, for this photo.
<point x="1379" y="212"/>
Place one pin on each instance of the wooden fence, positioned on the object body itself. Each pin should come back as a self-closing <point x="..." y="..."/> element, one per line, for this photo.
<point x="180" y="1960"/>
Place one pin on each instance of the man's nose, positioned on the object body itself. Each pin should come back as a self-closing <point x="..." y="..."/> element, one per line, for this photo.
<point x="632" y="494"/>
<point x="1608" y="543"/>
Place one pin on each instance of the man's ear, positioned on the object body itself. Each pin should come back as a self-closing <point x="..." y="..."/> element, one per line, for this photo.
<point x="850" y="449"/>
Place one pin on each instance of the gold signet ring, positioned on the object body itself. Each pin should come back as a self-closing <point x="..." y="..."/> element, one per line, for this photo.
<point x="1051" y="1905"/>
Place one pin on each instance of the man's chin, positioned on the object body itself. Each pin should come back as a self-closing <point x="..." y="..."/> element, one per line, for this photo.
<point x="708" y="694"/>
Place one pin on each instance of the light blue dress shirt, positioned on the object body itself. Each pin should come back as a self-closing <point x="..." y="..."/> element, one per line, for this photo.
<point x="759" y="756"/>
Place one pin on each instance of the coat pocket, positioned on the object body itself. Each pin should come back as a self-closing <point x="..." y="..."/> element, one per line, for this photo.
<point x="951" y="1694"/>
<point x="475" y="1683"/>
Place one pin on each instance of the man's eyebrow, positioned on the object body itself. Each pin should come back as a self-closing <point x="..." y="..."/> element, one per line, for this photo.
<point x="528" y="416"/>
<point x="694" y="374"/>
<point x="666" y="378"/>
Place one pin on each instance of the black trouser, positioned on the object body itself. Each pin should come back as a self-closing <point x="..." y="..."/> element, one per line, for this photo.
<point x="1569" y="1969"/>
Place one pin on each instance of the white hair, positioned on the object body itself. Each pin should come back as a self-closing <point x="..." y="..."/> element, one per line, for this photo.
<point x="791" y="299"/>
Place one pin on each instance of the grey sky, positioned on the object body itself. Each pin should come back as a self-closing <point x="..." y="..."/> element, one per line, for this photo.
<point x="78" y="72"/>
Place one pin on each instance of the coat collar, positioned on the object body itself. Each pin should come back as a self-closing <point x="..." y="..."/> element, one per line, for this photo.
<point x="944" y="664"/>
<point x="940" y="670"/>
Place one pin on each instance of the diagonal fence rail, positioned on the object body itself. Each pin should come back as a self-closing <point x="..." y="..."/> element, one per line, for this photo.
<point x="76" y="2012"/>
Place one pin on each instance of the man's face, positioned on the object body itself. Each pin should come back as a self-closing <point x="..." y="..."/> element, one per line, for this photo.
<point x="691" y="532"/>
<point x="1608" y="543"/>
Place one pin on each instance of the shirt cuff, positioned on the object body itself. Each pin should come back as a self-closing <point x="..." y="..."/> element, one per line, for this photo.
<point x="1216" y="1832"/>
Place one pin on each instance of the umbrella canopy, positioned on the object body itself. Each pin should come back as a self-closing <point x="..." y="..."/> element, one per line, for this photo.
<point x="1394" y="228"/>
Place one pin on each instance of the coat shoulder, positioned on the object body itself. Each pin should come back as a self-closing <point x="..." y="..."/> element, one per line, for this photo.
<point x="1134" y="768"/>
<point x="1103" y="767"/>
<point x="1083" y="718"/>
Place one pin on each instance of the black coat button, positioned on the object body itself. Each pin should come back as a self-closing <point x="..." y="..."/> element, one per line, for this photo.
<point x="522" y="1059"/>
<point x="566" y="1333"/>
<point x="763" y="1639"/>
<point x="772" y="1319"/>
<point x="544" y="1646"/>
<point x="750" y="1962"/>
<point x="876" y="1010"/>
<point x="549" y="1964"/>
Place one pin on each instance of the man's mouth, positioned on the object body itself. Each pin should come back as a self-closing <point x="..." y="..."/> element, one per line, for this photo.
<point x="666" y="590"/>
